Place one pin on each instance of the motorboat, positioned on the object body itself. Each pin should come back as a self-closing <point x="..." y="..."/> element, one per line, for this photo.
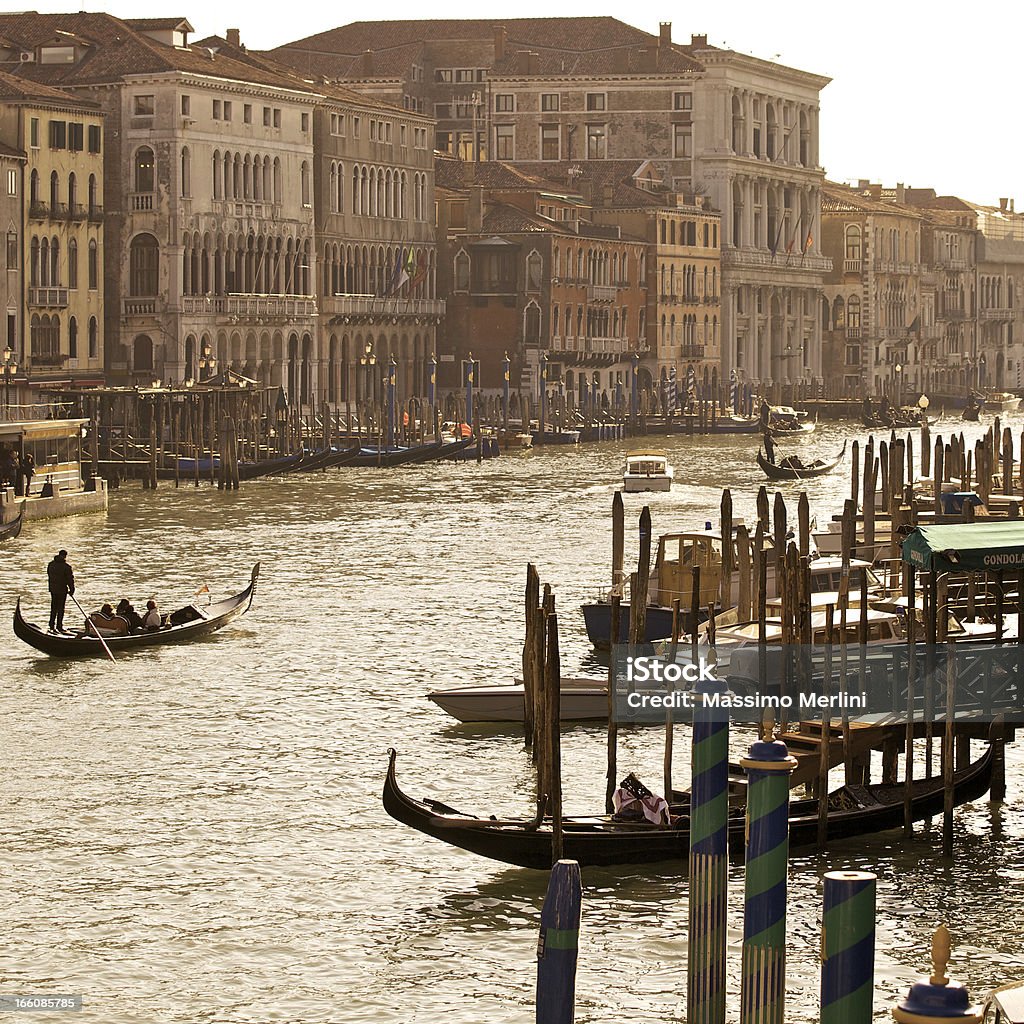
<point x="1001" y="401"/>
<point x="580" y="700"/>
<point x="647" y="471"/>
<point x="784" y="419"/>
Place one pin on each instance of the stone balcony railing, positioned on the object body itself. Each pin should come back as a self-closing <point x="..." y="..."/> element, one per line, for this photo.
<point x="248" y="306"/>
<point x="996" y="313"/>
<point x="54" y="298"/>
<point x="143" y="200"/>
<point x="853" y="333"/>
<point x="757" y="258"/>
<point x="601" y="293"/>
<point x="46" y="359"/>
<point x="139" y="307"/>
<point x="851" y="266"/>
<point x="691" y="351"/>
<point x="377" y="306"/>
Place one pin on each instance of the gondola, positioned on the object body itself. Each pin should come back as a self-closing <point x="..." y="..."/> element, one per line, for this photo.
<point x="776" y="471"/>
<point x="972" y="412"/>
<point x="11" y="530"/>
<point x="326" y="458"/>
<point x="598" y="840"/>
<point x="196" y="622"/>
<point x="270" y="467"/>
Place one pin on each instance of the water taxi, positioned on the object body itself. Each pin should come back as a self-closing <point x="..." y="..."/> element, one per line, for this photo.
<point x="647" y="471"/>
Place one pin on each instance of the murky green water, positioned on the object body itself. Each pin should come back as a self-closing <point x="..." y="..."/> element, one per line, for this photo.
<point x="196" y="834"/>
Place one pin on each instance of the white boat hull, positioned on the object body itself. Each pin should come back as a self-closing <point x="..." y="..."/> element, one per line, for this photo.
<point x="581" y="701"/>
<point x="636" y="484"/>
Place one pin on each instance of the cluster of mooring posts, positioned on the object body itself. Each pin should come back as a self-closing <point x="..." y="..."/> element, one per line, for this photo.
<point x="950" y="484"/>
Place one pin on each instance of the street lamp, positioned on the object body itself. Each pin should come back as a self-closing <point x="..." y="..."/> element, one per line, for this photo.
<point x="368" y="360"/>
<point x="207" y="364"/>
<point x="10" y="368"/>
<point x="899" y="370"/>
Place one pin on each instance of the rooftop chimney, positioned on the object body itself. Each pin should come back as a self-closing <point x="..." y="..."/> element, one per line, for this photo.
<point x="698" y="42"/>
<point x="499" y="42"/>
<point x="607" y="194"/>
<point x="233" y="37"/>
<point x="901" y="192"/>
<point x="649" y="58"/>
<point x="665" y="33"/>
<point x="863" y="184"/>
<point x="1003" y="203"/>
<point x="367" y="64"/>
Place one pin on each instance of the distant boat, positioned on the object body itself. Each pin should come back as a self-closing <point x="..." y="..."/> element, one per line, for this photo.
<point x="580" y="700"/>
<point x="791" y="468"/>
<point x="1001" y="401"/>
<point x="784" y="419"/>
<point x="647" y="471"/>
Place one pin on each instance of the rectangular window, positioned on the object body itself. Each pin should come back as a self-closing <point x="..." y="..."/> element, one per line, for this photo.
<point x="12" y="183"/>
<point x="355" y="127"/>
<point x="266" y="117"/>
<point x="145" y="106"/>
<point x="682" y="141"/>
<point x="33" y="133"/>
<point x="58" y="134"/>
<point x="373" y="131"/>
<point x="93" y="267"/>
<point x="12" y="330"/>
<point x="597" y="139"/>
<point x="464" y="75"/>
<point x="442" y="111"/>
<point x="304" y="118"/>
<point x="227" y="110"/>
<point x="550" y="101"/>
<point x="463" y="111"/>
<point x="216" y="110"/>
<point x="504" y="103"/>
<point x="387" y="131"/>
<point x="550" y="142"/>
<point x="443" y="142"/>
<point x="504" y="142"/>
<point x="401" y="134"/>
<point x="247" y="113"/>
<point x="12" y="251"/>
<point x="443" y="75"/>
<point x="682" y="101"/>
<point x="277" y="117"/>
<point x="186" y="106"/>
<point x="94" y="138"/>
<point x="596" y="101"/>
<point x="76" y="139"/>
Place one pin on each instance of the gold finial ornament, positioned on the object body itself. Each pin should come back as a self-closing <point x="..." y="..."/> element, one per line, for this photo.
<point x="941" y="943"/>
<point x="769" y="725"/>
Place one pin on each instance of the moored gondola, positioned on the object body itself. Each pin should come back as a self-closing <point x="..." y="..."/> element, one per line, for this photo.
<point x="782" y="471"/>
<point x="186" y="624"/>
<point x="11" y="530"/>
<point x="599" y="840"/>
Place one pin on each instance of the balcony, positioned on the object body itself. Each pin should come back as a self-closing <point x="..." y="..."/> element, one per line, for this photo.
<point x="691" y="351"/>
<point x="38" y="211"/>
<point x="955" y="314"/>
<point x="47" y="359"/>
<point x="997" y="313"/>
<point x="76" y="211"/>
<point x="851" y="266"/>
<point x="853" y="333"/>
<point x="601" y="293"/>
<point x="736" y="259"/>
<point x="372" y="306"/>
<point x="249" y="307"/>
<point x="140" y="307"/>
<point x="53" y="298"/>
<point x="96" y="214"/>
<point x="143" y="200"/>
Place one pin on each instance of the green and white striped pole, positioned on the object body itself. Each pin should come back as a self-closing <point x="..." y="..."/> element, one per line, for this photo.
<point x="763" y="976"/>
<point x="709" y="858"/>
<point x="848" y="947"/>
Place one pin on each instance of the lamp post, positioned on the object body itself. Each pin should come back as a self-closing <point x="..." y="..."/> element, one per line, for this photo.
<point x="10" y="368"/>
<point x="207" y="364"/>
<point x="899" y="384"/>
<point x="367" y="361"/>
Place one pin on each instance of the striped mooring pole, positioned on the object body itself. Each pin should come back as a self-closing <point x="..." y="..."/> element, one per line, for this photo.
<point x="938" y="998"/>
<point x="558" y="945"/>
<point x="848" y="947"/>
<point x="763" y="975"/>
<point x="709" y="859"/>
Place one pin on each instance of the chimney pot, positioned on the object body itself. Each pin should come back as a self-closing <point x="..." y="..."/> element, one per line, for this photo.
<point x="367" y="63"/>
<point x="233" y="37"/>
<point x="499" y="42"/>
<point x="665" y="33"/>
<point x="1002" y="204"/>
<point x="698" y="42"/>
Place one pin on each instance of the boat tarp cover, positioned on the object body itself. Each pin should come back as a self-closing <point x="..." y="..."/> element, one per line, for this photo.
<point x="967" y="547"/>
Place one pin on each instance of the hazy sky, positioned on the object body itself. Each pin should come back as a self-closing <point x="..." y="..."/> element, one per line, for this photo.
<point x="924" y="93"/>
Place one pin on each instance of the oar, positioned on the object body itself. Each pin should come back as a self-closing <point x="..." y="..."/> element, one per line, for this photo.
<point x="94" y="629"/>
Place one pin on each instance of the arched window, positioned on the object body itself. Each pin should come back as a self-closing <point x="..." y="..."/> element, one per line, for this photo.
<point x="853" y="242"/>
<point x="54" y="192"/>
<point x="73" y="338"/>
<point x="216" y="174"/>
<point x="339" y="198"/>
<point x="33" y="188"/>
<point x="534" y="269"/>
<point x="144" y="265"/>
<point x="72" y="192"/>
<point x="94" y="271"/>
<point x="72" y="264"/>
<point x="93" y="341"/>
<point x="144" y="169"/>
<point x="531" y="324"/>
<point x="142" y="353"/>
<point x="186" y="172"/>
<point x="33" y="263"/>
<point x="55" y="261"/>
<point x="462" y="271"/>
<point x="853" y="312"/>
<point x="92" y="194"/>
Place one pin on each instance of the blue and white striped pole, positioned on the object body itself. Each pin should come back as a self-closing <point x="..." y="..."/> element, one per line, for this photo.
<point x="709" y="858"/>
<point x="763" y="977"/>
<point x="431" y="379"/>
<point x="558" y="946"/>
<point x="543" y="395"/>
<point x="848" y="947"/>
<point x="733" y="392"/>
<point x="467" y="369"/>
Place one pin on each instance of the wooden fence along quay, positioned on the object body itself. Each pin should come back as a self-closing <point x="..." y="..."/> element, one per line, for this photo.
<point x="938" y="549"/>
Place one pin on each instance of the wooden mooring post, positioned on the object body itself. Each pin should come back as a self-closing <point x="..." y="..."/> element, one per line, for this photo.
<point x="558" y="945"/>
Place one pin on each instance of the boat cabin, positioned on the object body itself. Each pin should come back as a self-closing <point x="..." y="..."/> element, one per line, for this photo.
<point x="646" y="463"/>
<point x="678" y="554"/>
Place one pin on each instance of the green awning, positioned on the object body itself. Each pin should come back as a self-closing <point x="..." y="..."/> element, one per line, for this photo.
<point x="967" y="547"/>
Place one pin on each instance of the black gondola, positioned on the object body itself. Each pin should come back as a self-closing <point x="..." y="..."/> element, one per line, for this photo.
<point x="598" y="840"/>
<point x="194" y="623"/>
<point x="11" y="530"/>
<point x="780" y="471"/>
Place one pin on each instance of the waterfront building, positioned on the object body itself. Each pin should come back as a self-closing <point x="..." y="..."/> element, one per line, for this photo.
<point x="526" y="271"/>
<point x="52" y="191"/>
<point x="741" y="130"/>
<point x="12" y="218"/>
<point x="876" y="321"/>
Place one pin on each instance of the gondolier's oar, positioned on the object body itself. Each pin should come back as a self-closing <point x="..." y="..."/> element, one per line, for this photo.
<point x="94" y="629"/>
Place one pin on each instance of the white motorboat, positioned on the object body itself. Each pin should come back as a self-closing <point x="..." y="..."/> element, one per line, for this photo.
<point x="1001" y="401"/>
<point x="647" y="471"/>
<point x="581" y="700"/>
<point x="784" y="419"/>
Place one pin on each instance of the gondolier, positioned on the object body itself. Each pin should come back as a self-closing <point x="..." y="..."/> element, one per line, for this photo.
<point x="61" y="579"/>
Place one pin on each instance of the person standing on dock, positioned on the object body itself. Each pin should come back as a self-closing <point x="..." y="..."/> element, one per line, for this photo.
<point x="61" y="579"/>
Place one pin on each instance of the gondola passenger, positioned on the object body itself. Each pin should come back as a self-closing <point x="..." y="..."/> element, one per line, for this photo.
<point x="152" y="619"/>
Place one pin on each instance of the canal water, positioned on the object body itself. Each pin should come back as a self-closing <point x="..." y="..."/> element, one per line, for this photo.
<point x="195" y="834"/>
